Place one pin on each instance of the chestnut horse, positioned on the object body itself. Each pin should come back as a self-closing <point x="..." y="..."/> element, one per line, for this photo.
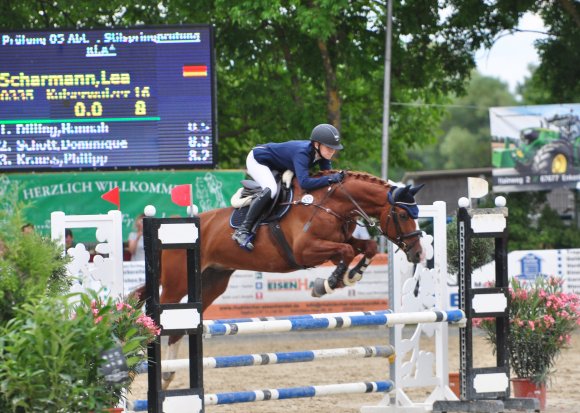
<point x="317" y="228"/>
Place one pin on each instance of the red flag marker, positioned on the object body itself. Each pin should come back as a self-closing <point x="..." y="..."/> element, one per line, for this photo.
<point x="113" y="197"/>
<point x="181" y="195"/>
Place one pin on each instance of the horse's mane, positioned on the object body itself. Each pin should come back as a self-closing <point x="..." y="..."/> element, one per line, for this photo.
<point x="363" y="176"/>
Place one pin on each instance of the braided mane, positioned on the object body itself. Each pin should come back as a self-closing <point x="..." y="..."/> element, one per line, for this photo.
<point x="363" y="176"/>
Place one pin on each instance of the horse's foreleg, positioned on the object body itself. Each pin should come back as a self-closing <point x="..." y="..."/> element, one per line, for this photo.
<point x="369" y="248"/>
<point x="322" y="286"/>
<point x="341" y="254"/>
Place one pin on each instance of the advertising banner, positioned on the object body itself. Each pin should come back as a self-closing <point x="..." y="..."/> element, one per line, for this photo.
<point x="260" y="294"/>
<point x="535" y="148"/>
<point x="257" y="294"/>
<point x="526" y="265"/>
<point x="80" y="193"/>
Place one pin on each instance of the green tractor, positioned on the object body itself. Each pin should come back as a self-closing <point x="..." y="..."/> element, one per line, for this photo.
<point x="554" y="149"/>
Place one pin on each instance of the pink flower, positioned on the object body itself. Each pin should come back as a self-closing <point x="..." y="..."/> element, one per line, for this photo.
<point x="532" y="325"/>
<point x="148" y="323"/>
<point x="542" y="293"/>
<point x="548" y="320"/>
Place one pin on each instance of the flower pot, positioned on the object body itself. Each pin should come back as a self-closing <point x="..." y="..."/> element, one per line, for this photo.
<point x="114" y="410"/>
<point x="454" y="383"/>
<point x="527" y="388"/>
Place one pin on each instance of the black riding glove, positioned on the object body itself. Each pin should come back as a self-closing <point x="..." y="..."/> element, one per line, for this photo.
<point x="335" y="178"/>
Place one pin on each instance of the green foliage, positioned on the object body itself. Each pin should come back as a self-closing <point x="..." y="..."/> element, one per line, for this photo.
<point x="49" y="358"/>
<point x="283" y="67"/>
<point x="50" y="352"/>
<point x="533" y="224"/>
<point x="464" y="140"/>
<point x="542" y="319"/>
<point x="31" y="266"/>
<point x="558" y="71"/>
<point x="132" y="328"/>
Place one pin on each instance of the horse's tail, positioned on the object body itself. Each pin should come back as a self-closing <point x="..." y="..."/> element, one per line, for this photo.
<point x="139" y="294"/>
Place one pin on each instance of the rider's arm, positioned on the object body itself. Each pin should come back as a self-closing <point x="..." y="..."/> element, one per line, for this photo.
<point x="301" y="166"/>
<point x="324" y="164"/>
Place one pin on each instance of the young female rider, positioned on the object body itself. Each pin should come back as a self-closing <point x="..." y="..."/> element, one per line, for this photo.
<point x="297" y="156"/>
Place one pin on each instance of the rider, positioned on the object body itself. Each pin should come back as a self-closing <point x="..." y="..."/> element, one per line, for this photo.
<point x="297" y="156"/>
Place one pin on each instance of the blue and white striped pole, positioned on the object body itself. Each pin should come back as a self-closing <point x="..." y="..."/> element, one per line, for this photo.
<point x="278" y="358"/>
<point x="330" y="322"/>
<point x="288" y="393"/>
<point x="293" y="317"/>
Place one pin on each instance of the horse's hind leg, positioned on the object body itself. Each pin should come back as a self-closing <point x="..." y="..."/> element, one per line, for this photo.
<point x="173" y="342"/>
<point x="214" y="283"/>
<point x="172" y="354"/>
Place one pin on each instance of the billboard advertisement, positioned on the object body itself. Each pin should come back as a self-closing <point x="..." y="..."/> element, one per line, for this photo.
<point x="535" y="148"/>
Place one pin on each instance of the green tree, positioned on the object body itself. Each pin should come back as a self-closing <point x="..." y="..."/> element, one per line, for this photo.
<point x="284" y="66"/>
<point x="555" y="80"/>
<point x="535" y="225"/>
<point x="464" y="140"/>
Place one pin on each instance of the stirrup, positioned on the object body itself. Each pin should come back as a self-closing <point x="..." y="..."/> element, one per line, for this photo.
<point x="244" y="239"/>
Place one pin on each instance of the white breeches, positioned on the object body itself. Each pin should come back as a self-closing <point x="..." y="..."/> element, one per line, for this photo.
<point x="261" y="174"/>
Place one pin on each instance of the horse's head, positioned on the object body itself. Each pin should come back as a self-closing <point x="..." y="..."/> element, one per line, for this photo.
<point x="398" y="221"/>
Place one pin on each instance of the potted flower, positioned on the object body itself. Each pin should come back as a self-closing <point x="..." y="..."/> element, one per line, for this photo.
<point x="542" y="319"/>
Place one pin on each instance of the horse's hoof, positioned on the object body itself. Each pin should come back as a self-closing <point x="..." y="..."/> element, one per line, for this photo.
<point x="318" y="289"/>
<point x="321" y="287"/>
<point x="352" y="277"/>
<point x="167" y="379"/>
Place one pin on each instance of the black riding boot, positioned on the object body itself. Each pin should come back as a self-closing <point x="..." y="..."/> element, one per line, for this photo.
<point x="243" y="234"/>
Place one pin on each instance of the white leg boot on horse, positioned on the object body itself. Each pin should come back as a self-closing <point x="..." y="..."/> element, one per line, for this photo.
<point x="244" y="234"/>
<point x="172" y="353"/>
<point x="369" y="248"/>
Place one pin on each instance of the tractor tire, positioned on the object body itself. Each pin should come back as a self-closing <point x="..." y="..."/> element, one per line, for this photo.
<point x="553" y="158"/>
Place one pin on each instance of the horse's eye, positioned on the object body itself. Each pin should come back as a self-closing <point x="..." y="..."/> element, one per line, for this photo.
<point x="404" y="216"/>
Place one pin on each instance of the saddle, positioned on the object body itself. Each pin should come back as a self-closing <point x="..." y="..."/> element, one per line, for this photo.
<point x="243" y="197"/>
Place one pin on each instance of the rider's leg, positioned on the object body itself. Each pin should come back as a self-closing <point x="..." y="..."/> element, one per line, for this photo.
<point x="264" y="177"/>
<point x="261" y="174"/>
<point x="243" y="234"/>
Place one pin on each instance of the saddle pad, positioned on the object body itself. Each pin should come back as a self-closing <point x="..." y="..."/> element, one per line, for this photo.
<point x="238" y="215"/>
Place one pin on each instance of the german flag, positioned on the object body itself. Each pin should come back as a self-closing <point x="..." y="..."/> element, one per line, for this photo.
<point x="194" y="71"/>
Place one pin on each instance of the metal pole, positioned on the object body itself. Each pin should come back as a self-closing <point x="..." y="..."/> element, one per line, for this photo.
<point x="386" y="104"/>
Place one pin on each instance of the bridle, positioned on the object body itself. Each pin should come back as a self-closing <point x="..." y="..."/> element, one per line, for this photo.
<point x="400" y="238"/>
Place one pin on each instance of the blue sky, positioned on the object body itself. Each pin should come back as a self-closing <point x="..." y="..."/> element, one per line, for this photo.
<point x="510" y="56"/>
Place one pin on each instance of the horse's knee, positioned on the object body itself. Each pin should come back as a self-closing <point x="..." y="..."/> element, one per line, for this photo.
<point x="371" y="249"/>
<point x="347" y="252"/>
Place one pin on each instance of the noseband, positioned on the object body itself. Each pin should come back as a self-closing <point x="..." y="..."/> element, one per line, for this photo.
<point x="400" y="238"/>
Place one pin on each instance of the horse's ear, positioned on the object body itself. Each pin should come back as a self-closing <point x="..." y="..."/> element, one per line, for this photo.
<point x="416" y="189"/>
<point x="400" y="193"/>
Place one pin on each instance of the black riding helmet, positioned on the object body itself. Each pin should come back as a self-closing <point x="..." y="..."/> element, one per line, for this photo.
<point x="327" y="135"/>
